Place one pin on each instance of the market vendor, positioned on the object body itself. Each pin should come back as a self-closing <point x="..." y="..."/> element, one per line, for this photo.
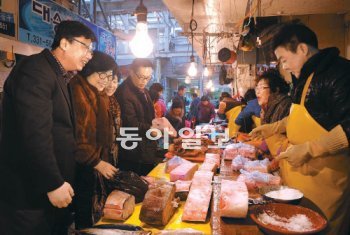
<point x="272" y="94"/>
<point x="318" y="127"/>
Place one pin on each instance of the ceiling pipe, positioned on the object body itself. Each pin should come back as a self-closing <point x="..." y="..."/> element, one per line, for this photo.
<point x="86" y="9"/>
<point x="104" y="15"/>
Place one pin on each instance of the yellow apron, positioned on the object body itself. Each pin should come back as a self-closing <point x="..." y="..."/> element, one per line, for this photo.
<point x="277" y="143"/>
<point x="256" y="121"/>
<point x="231" y="116"/>
<point x="323" y="180"/>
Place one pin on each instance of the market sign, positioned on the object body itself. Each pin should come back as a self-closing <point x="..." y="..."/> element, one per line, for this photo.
<point x="7" y="24"/>
<point x="38" y="18"/>
<point x="107" y="42"/>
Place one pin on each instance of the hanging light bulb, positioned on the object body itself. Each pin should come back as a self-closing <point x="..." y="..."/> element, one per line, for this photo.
<point x="209" y="84"/>
<point x="192" y="70"/>
<point x="187" y="80"/>
<point x="141" y="45"/>
<point x="206" y="71"/>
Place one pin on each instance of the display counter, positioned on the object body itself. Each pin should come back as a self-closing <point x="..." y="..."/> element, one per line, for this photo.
<point x="214" y="224"/>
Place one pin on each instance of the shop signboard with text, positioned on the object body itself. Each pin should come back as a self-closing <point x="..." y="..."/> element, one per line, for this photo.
<point x="38" y="18"/>
<point x="7" y="24"/>
<point x="107" y="42"/>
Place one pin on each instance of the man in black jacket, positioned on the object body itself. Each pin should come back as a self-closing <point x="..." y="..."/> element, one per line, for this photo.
<point x="137" y="111"/>
<point x="317" y="162"/>
<point x="37" y="147"/>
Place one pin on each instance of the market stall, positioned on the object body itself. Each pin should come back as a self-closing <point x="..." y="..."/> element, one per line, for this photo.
<point x="228" y="180"/>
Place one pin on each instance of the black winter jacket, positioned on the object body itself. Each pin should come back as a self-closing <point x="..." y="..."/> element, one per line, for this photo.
<point x="137" y="112"/>
<point x="38" y="145"/>
<point x="328" y="97"/>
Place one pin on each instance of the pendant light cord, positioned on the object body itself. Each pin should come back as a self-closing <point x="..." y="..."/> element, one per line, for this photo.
<point x="192" y="9"/>
<point x="193" y="27"/>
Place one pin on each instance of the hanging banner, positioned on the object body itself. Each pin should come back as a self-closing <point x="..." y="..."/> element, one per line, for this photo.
<point x="38" y="18"/>
<point x="107" y="42"/>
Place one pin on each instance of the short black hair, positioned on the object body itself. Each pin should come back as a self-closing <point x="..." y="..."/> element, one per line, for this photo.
<point x="275" y="81"/>
<point x="290" y="35"/>
<point x="225" y="94"/>
<point x="205" y="98"/>
<point x="154" y="90"/>
<point x="100" y="62"/>
<point x="69" y="29"/>
<point x="177" y="103"/>
<point x="194" y="95"/>
<point x="156" y="87"/>
<point x="141" y="62"/>
<point x="154" y="95"/>
<point x="182" y="87"/>
<point x="249" y="95"/>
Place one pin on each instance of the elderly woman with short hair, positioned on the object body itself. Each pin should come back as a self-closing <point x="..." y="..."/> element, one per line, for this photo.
<point x="93" y="135"/>
<point x="272" y="94"/>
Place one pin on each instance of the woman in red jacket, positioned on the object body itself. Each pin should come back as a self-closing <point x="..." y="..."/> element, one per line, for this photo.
<point x="205" y="111"/>
<point x="155" y="91"/>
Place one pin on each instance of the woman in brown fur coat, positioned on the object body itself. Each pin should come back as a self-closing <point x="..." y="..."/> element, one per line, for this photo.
<point x="93" y="135"/>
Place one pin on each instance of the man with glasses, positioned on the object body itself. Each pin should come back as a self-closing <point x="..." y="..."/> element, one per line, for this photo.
<point x="137" y="111"/>
<point x="37" y="148"/>
<point x="88" y="48"/>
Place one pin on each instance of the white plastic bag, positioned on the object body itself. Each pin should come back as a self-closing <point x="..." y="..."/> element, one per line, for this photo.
<point x="163" y="124"/>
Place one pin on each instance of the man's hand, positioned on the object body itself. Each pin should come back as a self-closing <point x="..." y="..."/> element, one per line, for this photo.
<point x="329" y="143"/>
<point x="106" y="169"/>
<point x="62" y="196"/>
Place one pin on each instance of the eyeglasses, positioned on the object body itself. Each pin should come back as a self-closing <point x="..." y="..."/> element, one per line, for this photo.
<point x="260" y="88"/>
<point x="105" y="76"/>
<point x="143" y="78"/>
<point x="89" y="49"/>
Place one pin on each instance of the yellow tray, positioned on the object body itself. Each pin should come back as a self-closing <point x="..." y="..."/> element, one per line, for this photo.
<point x="175" y="221"/>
